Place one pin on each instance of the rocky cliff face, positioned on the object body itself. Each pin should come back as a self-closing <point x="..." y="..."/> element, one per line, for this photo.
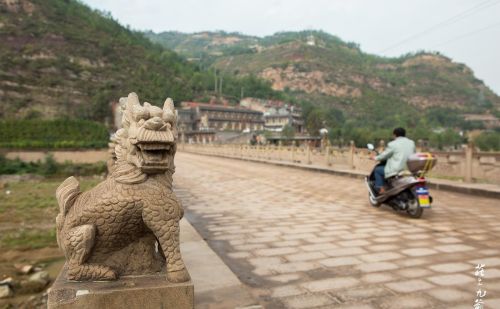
<point x="308" y="82"/>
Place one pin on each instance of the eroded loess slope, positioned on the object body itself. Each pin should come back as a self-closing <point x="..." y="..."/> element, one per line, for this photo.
<point x="60" y="58"/>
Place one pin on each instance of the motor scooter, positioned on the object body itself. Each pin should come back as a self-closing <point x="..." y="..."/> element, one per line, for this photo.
<point x="407" y="191"/>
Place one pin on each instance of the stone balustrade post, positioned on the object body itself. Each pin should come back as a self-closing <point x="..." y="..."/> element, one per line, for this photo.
<point x="328" y="163"/>
<point x="420" y="145"/>
<point x="308" y="154"/>
<point x="352" y="149"/>
<point x="469" y="151"/>
<point x="381" y="146"/>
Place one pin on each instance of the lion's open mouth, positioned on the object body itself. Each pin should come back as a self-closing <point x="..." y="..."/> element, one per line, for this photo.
<point x="155" y="156"/>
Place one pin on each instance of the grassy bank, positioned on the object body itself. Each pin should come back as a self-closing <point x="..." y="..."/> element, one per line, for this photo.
<point x="28" y="211"/>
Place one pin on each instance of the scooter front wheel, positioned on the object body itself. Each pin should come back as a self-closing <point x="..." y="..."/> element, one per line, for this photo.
<point x="373" y="201"/>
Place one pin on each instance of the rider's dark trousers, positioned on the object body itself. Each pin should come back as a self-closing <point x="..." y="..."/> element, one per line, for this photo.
<point x="379" y="177"/>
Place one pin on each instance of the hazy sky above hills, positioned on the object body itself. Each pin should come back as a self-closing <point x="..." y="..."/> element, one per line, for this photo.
<point x="466" y="30"/>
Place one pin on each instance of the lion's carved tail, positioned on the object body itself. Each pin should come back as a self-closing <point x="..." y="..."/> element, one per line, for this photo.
<point x="66" y="195"/>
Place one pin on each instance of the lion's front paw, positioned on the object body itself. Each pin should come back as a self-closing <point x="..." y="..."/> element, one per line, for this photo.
<point x="108" y="274"/>
<point x="178" y="276"/>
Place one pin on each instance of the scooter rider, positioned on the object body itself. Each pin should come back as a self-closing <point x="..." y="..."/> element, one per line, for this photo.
<point x="396" y="154"/>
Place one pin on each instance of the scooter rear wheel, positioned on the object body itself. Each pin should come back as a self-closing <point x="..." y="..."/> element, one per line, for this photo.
<point x="373" y="201"/>
<point x="415" y="212"/>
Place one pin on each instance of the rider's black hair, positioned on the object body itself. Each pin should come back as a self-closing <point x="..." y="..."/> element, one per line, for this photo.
<point x="399" y="132"/>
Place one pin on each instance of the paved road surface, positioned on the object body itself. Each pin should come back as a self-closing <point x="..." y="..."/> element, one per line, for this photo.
<point x="301" y="239"/>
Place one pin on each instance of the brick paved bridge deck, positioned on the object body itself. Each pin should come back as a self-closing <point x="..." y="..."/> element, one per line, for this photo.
<point x="301" y="239"/>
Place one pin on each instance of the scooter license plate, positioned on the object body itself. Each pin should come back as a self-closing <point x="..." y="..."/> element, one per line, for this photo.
<point x="423" y="197"/>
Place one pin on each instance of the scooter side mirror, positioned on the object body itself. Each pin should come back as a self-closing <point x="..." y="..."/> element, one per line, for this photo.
<point x="370" y="146"/>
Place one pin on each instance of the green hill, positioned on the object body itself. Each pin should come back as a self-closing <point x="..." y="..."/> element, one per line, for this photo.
<point x="59" y="58"/>
<point x="320" y="68"/>
<point x="204" y="44"/>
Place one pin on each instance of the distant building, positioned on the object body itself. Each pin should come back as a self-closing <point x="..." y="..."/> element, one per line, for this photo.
<point x="277" y="114"/>
<point x="277" y="118"/>
<point x="311" y="41"/>
<point x="199" y="122"/>
<point x="188" y="133"/>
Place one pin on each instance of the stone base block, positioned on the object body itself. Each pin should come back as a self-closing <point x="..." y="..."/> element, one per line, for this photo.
<point x="142" y="292"/>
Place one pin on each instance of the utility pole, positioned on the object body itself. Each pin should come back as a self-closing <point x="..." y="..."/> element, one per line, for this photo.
<point x="220" y="86"/>
<point x="241" y="94"/>
<point x="215" y="79"/>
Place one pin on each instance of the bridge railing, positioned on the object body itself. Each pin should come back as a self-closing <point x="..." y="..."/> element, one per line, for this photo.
<point x="466" y="165"/>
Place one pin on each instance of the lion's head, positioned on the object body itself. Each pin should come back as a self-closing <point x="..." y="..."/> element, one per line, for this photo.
<point x="148" y="135"/>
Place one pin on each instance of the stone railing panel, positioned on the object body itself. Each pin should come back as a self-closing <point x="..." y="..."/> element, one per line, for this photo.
<point x="479" y="166"/>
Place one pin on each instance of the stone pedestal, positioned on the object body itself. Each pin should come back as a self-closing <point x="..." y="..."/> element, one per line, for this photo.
<point x="143" y="292"/>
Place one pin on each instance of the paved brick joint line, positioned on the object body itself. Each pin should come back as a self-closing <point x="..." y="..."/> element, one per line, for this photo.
<point x="300" y="239"/>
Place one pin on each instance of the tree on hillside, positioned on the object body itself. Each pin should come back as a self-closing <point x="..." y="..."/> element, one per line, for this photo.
<point x="488" y="141"/>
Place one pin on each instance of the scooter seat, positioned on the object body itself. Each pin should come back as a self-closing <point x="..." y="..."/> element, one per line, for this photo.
<point x="404" y="173"/>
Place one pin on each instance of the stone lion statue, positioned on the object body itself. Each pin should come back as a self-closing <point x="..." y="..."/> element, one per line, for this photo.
<point x="129" y="223"/>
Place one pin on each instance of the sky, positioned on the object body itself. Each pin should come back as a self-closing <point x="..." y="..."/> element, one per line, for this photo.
<point x="468" y="31"/>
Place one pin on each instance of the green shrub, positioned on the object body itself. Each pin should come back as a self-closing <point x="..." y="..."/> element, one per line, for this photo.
<point x="49" y="167"/>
